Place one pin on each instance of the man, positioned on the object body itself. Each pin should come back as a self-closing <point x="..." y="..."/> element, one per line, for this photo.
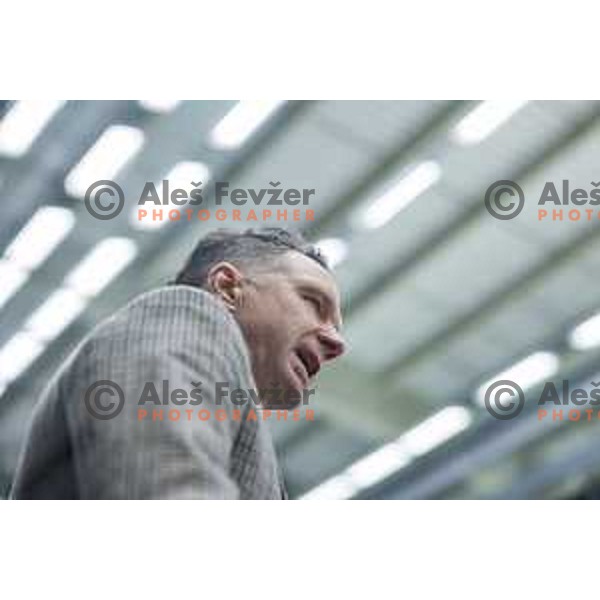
<point x="254" y="310"/>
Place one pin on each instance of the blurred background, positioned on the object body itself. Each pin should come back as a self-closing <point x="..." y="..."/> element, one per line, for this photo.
<point x="439" y="297"/>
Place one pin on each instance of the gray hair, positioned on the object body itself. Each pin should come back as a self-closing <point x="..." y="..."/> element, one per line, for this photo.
<point x="243" y="248"/>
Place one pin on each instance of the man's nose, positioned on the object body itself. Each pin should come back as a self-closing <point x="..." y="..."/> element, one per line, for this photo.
<point x="332" y="343"/>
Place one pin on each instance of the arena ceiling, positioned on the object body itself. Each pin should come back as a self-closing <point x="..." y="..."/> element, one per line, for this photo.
<point x="439" y="296"/>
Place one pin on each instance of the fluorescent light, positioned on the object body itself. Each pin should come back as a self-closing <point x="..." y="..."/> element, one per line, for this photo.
<point x="55" y="314"/>
<point x="12" y="278"/>
<point x="159" y="106"/>
<point x="105" y="158"/>
<point x="483" y="120"/>
<point x="378" y="465"/>
<point x="17" y="354"/>
<point x="336" y="488"/>
<point x="32" y="246"/>
<point x="241" y="122"/>
<point x="23" y="123"/>
<point x="103" y="263"/>
<point x="586" y="335"/>
<point x="399" y="196"/>
<point x="181" y="176"/>
<point x="389" y="459"/>
<point x="526" y="373"/>
<point x="40" y="236"/>
<point x="334" y="249"/>
<point x="435" y="430"/>
<point x="423" y="438"/>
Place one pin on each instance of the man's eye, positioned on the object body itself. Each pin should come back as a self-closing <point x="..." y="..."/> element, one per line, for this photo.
<point x="314" y="302"/>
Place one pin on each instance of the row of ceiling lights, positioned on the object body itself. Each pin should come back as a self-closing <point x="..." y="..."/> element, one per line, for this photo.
<point x="50" y="225"/>
<point x="395" y="195"/>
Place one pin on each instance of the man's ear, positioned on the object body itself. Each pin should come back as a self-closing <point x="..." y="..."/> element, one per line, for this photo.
<point x="224" y="280"/>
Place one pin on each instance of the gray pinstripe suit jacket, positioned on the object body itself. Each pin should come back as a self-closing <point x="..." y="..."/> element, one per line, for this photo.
<point x="180" y="334"/>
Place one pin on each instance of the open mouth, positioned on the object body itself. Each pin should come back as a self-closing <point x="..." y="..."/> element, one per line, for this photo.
<point x="309" y="361"/>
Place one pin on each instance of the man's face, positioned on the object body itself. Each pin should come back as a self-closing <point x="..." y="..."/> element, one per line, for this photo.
<point x="290" y="317"/>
